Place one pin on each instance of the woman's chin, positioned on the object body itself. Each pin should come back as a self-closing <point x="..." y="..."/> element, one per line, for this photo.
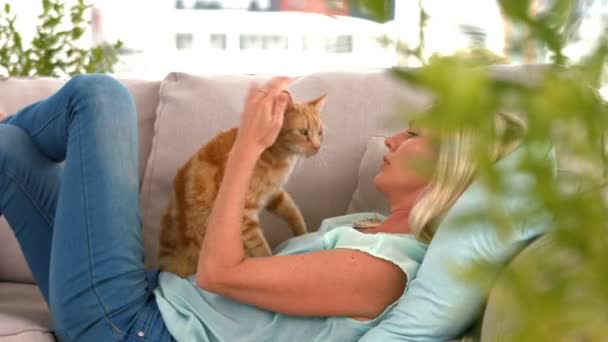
<point x="378" y="182"/>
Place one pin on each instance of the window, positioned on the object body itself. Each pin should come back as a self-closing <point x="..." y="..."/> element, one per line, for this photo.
<point x="263" y="42"/>
<point x="207" y="5"/>
<point x="183" y="41"/>
<point x="217" y="41"/>
<point x="339" y="44"/>
<point x="331" y="44"/>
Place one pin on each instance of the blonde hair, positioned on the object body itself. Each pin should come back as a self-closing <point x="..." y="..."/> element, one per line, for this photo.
<point x="456" y="167"/>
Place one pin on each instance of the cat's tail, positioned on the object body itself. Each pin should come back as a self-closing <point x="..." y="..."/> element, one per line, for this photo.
<point x="168" y="235"/>
<point x="175" y="255"/>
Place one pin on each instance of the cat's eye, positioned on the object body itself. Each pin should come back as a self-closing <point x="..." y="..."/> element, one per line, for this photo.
<point x="303" y="131"/>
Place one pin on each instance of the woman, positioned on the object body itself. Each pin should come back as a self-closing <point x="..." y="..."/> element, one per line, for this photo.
<point x="79" y="228"/>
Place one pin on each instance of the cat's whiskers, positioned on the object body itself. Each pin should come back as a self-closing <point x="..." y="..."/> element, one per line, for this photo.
<point x="322" y="162"/>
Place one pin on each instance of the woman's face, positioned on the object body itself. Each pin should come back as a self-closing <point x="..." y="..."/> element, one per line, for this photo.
<point x="408" y="164"/>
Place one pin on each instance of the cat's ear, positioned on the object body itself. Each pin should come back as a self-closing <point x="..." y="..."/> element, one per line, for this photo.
<point x="319" y="102"/>
<point x="290" y="106"/>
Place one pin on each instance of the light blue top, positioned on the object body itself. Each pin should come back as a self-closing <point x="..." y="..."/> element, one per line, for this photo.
<point x="193" y="314"/>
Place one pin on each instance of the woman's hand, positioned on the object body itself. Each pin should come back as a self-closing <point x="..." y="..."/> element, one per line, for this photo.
<point x="263" y="115"/>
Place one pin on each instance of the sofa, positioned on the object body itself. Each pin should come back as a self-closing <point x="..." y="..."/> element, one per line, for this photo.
<point x="178" y="114"/>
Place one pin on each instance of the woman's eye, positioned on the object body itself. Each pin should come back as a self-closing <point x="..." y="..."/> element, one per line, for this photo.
<point x="303" y="131"/>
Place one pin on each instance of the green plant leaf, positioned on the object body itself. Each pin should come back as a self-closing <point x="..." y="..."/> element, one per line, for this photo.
<point x="46" y="5"/>
<point x="50" y="44"/>
<point x="516" y="9"/>
<point x="77" y="32"/>
<point x="378" y="9"/>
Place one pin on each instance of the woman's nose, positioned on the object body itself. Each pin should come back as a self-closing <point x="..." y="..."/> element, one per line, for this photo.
<point x="390" y="143"/>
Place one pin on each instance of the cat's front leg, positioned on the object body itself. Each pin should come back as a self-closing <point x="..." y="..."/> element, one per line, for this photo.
<point x="253" y="238"/>
<point x="282" y="205"/>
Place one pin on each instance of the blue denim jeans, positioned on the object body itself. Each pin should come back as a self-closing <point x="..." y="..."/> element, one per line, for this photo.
<point x="78" y="223"/>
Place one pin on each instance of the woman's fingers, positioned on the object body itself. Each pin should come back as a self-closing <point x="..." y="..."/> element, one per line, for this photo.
<point x="276" y="85"/>
<point x="262" y="101"/>
<point x="265" y="107"/>
<point x="258" y="97"/>
<point x="254" y="95"/>
<point x="279" y="107"/>
<point x="280" y="104"/>
<point x="264" y="113"/>
<point x="275" y="88"/>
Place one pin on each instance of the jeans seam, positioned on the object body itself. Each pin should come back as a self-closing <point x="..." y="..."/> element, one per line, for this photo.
<point x="106" y="314"/>
<point x="147" y="323"/>
<point x="46" y="219"/>
<point x="47" y="124"/>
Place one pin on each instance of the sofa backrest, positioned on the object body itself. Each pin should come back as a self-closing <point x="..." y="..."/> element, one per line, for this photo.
<point x="177" y="115"/>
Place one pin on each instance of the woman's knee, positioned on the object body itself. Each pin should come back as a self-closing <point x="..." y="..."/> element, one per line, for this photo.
<point x="101" y="90"/>
<point x="19" y="153"/>
<point x="13" y="140"/>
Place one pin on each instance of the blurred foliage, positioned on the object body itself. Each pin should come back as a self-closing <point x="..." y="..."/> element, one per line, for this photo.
<point x="379" y="9"/>
<point x="54" y="50"/>
<point x="405" y="49"/>
<point x="474" y="57"/>
<point x="562" y="293"/>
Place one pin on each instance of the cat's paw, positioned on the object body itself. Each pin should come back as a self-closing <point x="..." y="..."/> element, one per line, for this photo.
<point x="260" y="251"/>
<point x="299" y="229"/>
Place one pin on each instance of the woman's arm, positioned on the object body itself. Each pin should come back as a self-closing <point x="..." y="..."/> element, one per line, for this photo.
<point x="260" y="125"/>
<point x="335" y="282"/>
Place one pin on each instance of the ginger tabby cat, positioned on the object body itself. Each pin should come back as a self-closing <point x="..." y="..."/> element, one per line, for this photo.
<point x="197" y="183"/>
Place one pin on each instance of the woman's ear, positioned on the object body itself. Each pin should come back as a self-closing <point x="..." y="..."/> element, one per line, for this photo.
<point x="290" y="106"/>
<point x="319" y="102"/>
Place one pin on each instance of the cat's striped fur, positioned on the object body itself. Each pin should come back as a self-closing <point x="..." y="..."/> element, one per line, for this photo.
<point x="197" y="183"/>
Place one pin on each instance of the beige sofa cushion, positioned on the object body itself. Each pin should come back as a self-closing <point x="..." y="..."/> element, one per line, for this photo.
<point x="23" y="314"/>
<point x="16" y="93"/>
<point x="145" y="94"/>
<point x="193" y="109"/>
<point x="366" y="197"/>
<point x="12" y="263"/>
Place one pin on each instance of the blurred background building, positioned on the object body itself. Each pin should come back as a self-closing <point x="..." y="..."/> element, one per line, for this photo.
<point x="282" y="36"/>
<point x="295" y="37"/>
